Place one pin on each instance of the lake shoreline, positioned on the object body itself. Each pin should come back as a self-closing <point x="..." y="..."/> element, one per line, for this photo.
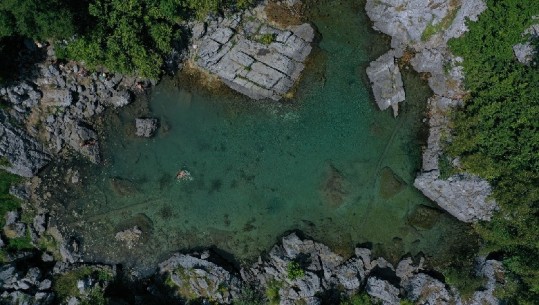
<point x="354" y="272"/>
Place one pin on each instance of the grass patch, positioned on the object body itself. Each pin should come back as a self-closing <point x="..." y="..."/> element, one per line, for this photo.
<point x="446" y="167"/>
<point x="65" y="285"/>
<point x="358" y="299"/>
<point x="272" y="292"/>
<point x="465" y="282"/>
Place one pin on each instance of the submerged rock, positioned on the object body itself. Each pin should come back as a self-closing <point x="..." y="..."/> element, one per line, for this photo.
<point x="129" y="236"/>
<point x="390" y="183"/>
<point x="146" y="127"/>
<point x="335" y="188"/>
<point x="250" y="56"/>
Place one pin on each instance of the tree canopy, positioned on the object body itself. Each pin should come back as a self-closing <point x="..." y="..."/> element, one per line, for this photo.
<point x="126" y="36"/>
<point x="497" y="133"/>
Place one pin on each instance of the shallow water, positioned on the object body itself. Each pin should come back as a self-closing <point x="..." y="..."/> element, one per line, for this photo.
<point x="327" y="163"/>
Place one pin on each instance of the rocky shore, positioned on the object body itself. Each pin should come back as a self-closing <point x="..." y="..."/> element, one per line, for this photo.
<point x="422" y="30"/>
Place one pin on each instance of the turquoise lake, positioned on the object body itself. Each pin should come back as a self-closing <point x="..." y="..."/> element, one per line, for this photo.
<point x="327" y="163"/>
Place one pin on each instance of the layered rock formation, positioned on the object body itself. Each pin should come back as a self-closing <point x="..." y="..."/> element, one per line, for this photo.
<point x="423" y="28"/>
<point x="251" y="56"/>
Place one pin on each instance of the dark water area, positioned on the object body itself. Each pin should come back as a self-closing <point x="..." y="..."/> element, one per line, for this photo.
<point x="327" y="163"/>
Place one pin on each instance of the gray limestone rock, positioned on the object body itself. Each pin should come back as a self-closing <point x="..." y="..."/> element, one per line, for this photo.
<point x="386" y="80"/>
<point x="57" y="97"/>
<point x="83" y="139"/>
<point x="524" y="52"/>
<point x="250" y="56"/>
<point x="383" y="291"/>
<point x="122" y="98"/>
<point x="23" y="155"/>
<point x="464" y="196"/>
<point x="21" y="191"/>
<point x="146" y="127"/>
<point x="424" y="289"/>
<point x="202" y="279"/>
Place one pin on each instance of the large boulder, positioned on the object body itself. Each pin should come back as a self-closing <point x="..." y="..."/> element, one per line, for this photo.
<point x="198" y="278"/>
<point x="464" y="196"/>
<point x="383" y="290"/>
<point x="386" y="80"/>
<point x="20" y="154"/>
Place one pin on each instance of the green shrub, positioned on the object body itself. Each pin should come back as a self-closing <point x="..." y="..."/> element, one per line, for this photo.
<point x="266" y="38"/>
<point x="465" y="282"/>
<point x="65" y="285"/>
<point x="358" y="299"/>
<point x="249" y="296"/>
<point x="294" y="270"/>
<point x="272" y="292"/>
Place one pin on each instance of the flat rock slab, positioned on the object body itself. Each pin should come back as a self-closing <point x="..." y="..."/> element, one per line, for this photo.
<point x="250" y="56"/>
<point x="386" y="80"/>
<point x="464" y="196"/>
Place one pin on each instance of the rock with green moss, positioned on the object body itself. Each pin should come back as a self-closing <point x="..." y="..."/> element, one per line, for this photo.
<point x="195" y="278"/>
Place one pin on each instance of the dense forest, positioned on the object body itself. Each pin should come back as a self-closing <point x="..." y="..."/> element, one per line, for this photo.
<point x="497" y="136"/>
<point x="127" y="36"/>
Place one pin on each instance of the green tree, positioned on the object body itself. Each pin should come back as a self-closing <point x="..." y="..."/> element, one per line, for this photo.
<point x="38" y="19"/>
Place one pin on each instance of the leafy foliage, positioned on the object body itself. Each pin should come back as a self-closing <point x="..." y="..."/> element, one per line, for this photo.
<point x="295" y="270"/>
<point x="249" y="296"/>
<point x="497" y="133"/>
<point x="358" y="299"/>
<point x="38" y="19"/>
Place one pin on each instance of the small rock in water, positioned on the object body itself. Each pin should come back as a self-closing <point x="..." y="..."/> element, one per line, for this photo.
<point x="146" y="127"/>
<point x="129" y="236"/>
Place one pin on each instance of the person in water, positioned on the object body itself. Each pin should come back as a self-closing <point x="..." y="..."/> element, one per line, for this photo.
<point x="183" y="174"/>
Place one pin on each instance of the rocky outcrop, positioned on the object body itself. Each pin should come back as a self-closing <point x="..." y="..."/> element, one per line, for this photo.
<point x="464" y="196"/>
<point x="386" y="82"/>
<point x="251" y="56"/>
<point x="525" y="52"/>
<point x="321" y="271"/>
<point x="59" y="103"/>
<point x="199" y="278"/>
<point x="21" y="154"/>
<point x="423" y="28"/>
<point x="383" y="291"/>
<point x="146" y="127"/>
<point x="25" y="285"/>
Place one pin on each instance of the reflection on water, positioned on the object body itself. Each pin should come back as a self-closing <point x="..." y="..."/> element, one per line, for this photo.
<point x="327" y="163"/>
